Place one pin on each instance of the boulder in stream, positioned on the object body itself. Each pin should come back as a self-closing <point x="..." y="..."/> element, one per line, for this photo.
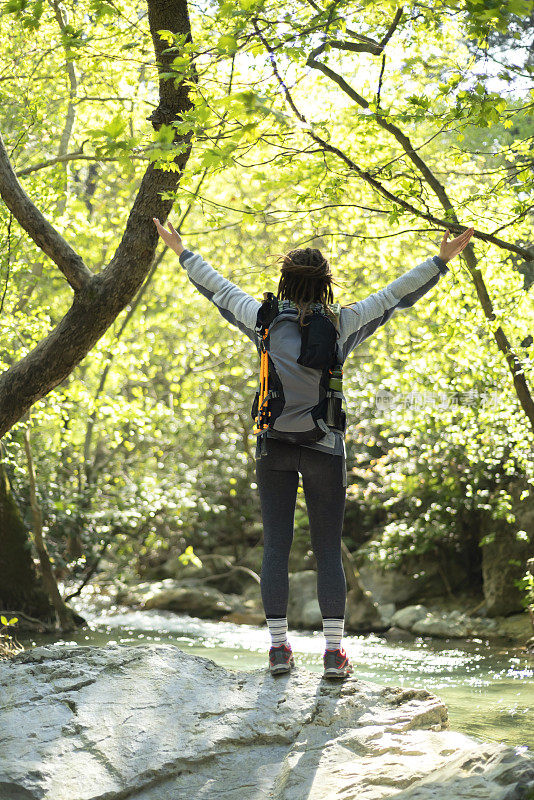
<point x="362" y="613"/>
<point x="188" y="596"/>
<point x="415" y="577"/>
<point x="303" y="607"/>
<point x="406" y="617"/>
<point x="155" y="723"/>
<point x="303" y="611"/>
<point x="443" y="624"/>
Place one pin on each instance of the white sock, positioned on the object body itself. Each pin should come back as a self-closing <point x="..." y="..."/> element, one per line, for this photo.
<point x="278" y="630"/>
<point x="333" y="633"/>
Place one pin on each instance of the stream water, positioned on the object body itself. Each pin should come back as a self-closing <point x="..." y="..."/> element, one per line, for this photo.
<point x="489" y="690"/>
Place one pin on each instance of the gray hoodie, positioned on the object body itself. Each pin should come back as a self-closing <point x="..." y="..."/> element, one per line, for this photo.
<point x="357" y="322"/>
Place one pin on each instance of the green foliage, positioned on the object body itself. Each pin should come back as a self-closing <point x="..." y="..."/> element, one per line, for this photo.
<point x="8" y="644"/>
<point x="526" y="587"/>
<point x="188" y="557"/>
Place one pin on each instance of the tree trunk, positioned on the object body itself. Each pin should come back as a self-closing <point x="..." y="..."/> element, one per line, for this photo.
<point x="20" y="587"/>
<point x="64" y="614"/>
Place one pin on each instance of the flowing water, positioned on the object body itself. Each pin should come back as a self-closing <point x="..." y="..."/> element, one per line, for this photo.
<point x="489" y="690"/>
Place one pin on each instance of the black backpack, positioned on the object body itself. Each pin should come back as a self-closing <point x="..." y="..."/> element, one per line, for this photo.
<point x="318" y="351"/>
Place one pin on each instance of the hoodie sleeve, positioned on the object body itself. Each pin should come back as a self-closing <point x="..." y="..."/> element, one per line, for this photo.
<point x="360" y="319"/>
<point x="235" y="305"/>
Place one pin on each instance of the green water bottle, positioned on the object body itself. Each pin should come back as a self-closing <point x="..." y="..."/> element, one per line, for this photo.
<point x="336" y="378"/>
<point x="335" y="384"/>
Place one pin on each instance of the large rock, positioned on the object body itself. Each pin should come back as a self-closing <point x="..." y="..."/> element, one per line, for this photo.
<point x="443" y="624"/>
<point x="188" y="597"/>
<point x="504" y="556"/>
<point x="198" y="601"/>
<point x="251" y="610"/>
<point x="394" y="585"/>
<point x="303" y="611"/>
<point x="517" y="627"/>
<point x="414" y="578"/>
<point x="245" y="617"/>
<point x="362" y="614"/>
<point x="303" y="607"/>
<point x="386" y="612"/>
<point x="154" y="723"/>
<point x="406" y="617"/>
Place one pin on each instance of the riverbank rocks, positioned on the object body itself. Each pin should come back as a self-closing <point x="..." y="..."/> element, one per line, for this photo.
<point x="517" y="627"/>
<point x="250" y="612"/>
<point x="419" y="620"/>
<point x="391" y="585"/>
<point x="154" y="723"/>
<point x="185" y="596"/>
<point x="303" y="611"/>
<point x="362" y="613"/>
<point x="407" y="617"/>
<point x="412" y="579"/>
<point x="303" y="607"/>
<point x="245" y="617"/>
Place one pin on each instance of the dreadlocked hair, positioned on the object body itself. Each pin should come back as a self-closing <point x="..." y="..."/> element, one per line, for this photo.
<point x="306" y="278"/>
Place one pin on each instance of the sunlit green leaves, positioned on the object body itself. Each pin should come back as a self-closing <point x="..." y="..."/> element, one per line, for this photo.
<point x="29" y="13"/>
<point x="102" y="9"/>
<point x="189" y="557"/>
<point x="112" y="130"/>
<point x="227" y="44"/>
<point x="110" y="141"/>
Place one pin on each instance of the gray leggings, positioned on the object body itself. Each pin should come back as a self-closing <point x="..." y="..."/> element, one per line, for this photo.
<point x="324" y="485"/>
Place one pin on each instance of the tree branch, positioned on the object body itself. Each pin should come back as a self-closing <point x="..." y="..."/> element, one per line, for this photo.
<point x="368" y="178"/>
<point x="41" y="231"/>
<point x="391" y="30"/>
<point x="77" y="155"/>
<point x="514" y="363"/>
<point x="367" y="46"/>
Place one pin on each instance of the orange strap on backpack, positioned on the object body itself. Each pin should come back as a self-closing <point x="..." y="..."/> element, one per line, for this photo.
<point x="262" y="423"/>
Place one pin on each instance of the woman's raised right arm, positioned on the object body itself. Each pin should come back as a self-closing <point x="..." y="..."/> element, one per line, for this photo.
<point x="236" y="306"/>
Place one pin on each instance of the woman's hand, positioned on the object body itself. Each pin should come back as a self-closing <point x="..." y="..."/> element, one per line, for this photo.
<point x="171" y="237"/>
<point x="450" y="249"/>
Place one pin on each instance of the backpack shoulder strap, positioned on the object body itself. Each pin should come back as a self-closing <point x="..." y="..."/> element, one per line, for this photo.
<point x="267" y="312"/>
<point x="272" y="307"/>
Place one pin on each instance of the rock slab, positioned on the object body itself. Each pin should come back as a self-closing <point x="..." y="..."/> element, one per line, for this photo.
<point x="154" y="723"/>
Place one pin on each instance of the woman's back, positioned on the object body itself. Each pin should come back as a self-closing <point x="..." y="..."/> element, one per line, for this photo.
<point x="357" y="322"/>
<point x="301" y="385"/>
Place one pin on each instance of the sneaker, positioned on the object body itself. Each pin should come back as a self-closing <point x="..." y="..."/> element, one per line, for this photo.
<point x="336" y="664"/>
<point x="281" y="659"/>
